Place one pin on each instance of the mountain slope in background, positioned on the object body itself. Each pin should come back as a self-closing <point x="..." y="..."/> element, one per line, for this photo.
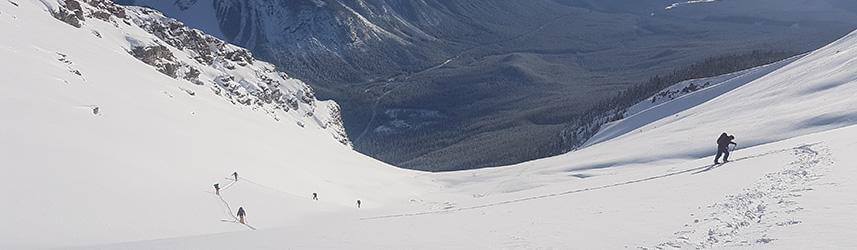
<point x="680" y="97"/>
<point x="117" y="121"/>
<point x="789" y="185"/>
<point x="444" y="85"/>
<point x="137" y="172"/>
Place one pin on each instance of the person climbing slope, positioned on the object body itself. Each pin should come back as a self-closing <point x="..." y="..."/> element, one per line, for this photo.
<point x="358" y="203"/>
<point x="217" y="188"/>
<point x="315" y="196"/>
<point x="723" y="147"/>
<point x="235" y="175"/>
<point x="241" y="215"/>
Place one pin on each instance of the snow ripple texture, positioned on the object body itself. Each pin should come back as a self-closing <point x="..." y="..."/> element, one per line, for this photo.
<point x="744" y="219"/>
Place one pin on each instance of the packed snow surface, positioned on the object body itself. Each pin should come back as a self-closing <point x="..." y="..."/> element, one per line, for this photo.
<point x="137" y="172"/>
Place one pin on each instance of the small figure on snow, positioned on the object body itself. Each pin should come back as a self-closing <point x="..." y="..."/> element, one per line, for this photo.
<point x="358" y="203"/>
<point x="241" y="215"/>
<point x="723" y="147"/>
<point x="235" y="175"/>
<point x="315" y="196"/>
<point x="217" y="188"/>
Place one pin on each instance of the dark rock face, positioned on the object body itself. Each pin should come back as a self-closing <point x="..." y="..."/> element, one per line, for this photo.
<point x="459" y="84"/>
<point x="309" y="37"/>
<point x="158" y="56"/>
<point x="70" y="13"/>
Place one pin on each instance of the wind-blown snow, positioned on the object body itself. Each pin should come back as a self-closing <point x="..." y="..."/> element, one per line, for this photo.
<point x="138" y="174"/>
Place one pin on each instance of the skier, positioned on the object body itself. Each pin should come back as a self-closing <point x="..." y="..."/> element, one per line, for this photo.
<point x="241" y="215"/>
<point x="235" y="174"/>
<point x="358" y="203"/>
<point x="315" y="196"/>
<point x="217" y="188"/>
<point x="723" y="147"/>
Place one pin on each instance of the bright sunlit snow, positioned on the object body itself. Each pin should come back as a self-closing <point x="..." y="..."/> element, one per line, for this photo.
<point x="100" y="150"/>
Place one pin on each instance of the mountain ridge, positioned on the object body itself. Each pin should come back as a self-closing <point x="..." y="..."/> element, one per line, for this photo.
<point x="492" y="73"/>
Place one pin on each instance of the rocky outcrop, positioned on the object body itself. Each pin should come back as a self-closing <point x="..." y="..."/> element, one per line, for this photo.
<point x="69" y="12"/>
<point x="189" y="54"/>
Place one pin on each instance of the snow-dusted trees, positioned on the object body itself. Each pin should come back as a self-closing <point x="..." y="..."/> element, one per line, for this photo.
<point x="587" y="124"/>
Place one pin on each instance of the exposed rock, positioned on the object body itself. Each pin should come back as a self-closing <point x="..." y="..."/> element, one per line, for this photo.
<point x="158" y="56"/>
<point x="69" y="12"/>
<point x="184" y="53"/>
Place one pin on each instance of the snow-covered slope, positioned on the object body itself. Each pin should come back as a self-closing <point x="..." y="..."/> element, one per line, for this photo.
<point x="184" y="53"/>
<point x="142" y="167"/>
<point x="680" y="97"/>
<point x="118" y="121"/>
<point x="320" y="31"/>
<point x="790" y="184"/>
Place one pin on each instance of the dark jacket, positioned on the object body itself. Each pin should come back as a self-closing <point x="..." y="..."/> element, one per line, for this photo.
<point x="241" y="211"/>
<point x="725" y="140"/>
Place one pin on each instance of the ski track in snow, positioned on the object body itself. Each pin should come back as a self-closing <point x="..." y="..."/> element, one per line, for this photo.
<point x="744" y="219"/>
<point x="228" y="207"/>
<point x="701" y="169"/>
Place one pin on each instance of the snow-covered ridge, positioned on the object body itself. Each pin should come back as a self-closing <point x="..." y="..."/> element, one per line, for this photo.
<point x="137" y="173"/>
<point x="184" y="53"/>
<point x="679" y="97"/>
<point x="117" y="122"/>
<point x="275" y="20"/>
<point x="678" y="4"/>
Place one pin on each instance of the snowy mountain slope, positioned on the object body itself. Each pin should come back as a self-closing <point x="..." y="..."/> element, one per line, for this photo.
<point x="108" y="136"/>
<point x="232" y="72"/>
<point x="806" y="96"/>
<point x="642" y="207"/>
<point x="680" y="97"/>
<point x="316" y="33"/>
<point x="789" y="185"/>
<point x="141" y="166"/>
<point x="492" y="67"/>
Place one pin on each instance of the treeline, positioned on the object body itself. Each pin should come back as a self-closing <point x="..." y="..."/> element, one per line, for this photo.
<point x="423" y="146"/>
<point x="587" y="124"/>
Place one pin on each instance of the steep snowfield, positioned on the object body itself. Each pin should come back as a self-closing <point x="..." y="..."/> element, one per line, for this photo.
<point x="138" y="174"/>
<point x="680" y="97"/>
<point x="98" y="147"/>
<point x="784" y="195"/>
<point x="790" y="184"/>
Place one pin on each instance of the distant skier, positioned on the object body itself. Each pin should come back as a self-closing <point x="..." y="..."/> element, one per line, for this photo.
<point x="235" y="175"/>
<point x="315" y="196"/>
<point x="723" y="147"/>
<point x="217" y="188"/>
<point x="241" y="215"/>
<point x="358" y="204"/>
